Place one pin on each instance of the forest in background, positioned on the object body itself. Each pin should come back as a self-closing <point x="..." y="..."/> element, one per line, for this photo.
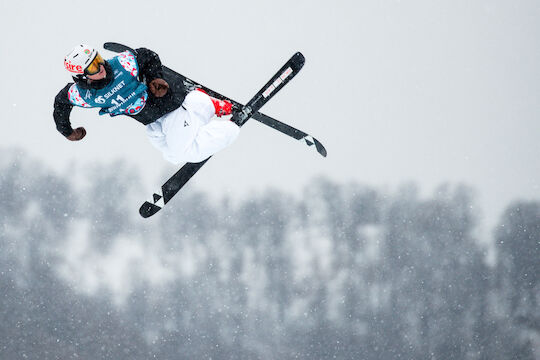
<point x="344" y="271"/>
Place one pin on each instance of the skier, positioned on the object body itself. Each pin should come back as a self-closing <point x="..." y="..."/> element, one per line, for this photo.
<point x="181" y="124"/>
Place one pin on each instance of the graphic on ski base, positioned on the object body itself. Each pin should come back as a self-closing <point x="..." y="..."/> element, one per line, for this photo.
<point x="244" y="112"/>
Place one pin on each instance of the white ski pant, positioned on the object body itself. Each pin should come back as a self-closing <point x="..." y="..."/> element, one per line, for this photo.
<point x="191" y="133"/>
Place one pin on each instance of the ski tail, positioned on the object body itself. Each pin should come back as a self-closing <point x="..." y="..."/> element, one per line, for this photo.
<point x="290" y="131"/>
<point x="116" y="47"/>
<point x="169" y="189"/>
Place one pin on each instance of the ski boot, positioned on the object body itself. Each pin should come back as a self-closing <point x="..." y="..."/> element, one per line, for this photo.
<point x="222" y="107"/>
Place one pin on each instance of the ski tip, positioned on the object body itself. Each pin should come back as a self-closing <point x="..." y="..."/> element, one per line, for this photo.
<point x="117" y="47"/>
<point x="310" y="141"/>
<point x="298" y="59"/>
<point x="148" y="209"/>
<point x="110" y="46"/>
<point x="320" y="148"/>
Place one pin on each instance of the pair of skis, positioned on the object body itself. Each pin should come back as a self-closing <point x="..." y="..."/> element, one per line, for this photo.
<point x="247" y="111"/>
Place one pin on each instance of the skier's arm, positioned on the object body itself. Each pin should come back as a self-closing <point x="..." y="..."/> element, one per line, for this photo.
<point x="149" y="64"/>
<point x="62" y="109"/>
<point x="151" y="70"/>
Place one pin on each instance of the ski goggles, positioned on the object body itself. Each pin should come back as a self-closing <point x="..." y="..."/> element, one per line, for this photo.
<point x="94" y="66"/>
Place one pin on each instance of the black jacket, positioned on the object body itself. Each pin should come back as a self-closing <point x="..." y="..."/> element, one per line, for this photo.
<point x="149" y="68"/>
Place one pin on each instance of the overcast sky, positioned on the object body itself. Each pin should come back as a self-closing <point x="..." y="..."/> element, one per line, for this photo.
<point x="398" y="91"/>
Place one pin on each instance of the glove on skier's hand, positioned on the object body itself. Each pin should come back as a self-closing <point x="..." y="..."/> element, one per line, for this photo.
<point x="158" y="87"/>
<point x="77" y="134"/>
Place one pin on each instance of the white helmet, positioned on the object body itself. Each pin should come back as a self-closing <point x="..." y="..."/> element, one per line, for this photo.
<point x="80" y="58"/>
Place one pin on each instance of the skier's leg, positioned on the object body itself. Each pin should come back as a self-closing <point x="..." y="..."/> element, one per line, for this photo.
<point x="156" y="136"/>
<point x="188" y="141"/>
<point x="190" y="133"/>
<point x="211" y="138"/>
<point x="199" y="104"/>
<point x="180" y="128"/>
<point x="196" y="134"/>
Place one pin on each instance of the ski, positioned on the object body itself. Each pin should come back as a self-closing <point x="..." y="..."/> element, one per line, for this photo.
<point x="182" y="176"/>
<point x="260" y="117"/>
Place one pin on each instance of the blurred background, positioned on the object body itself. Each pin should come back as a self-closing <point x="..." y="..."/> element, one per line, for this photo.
<point x="418" y="237"/>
